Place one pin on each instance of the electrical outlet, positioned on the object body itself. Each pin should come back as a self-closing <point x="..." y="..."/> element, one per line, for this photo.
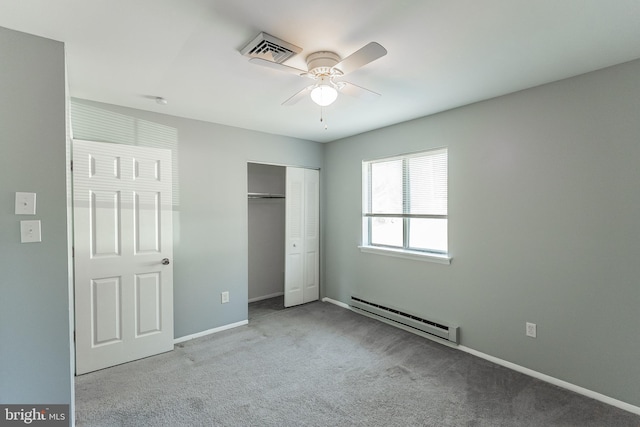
<point x="224" y="297"/>
<point x="531" y="330"/>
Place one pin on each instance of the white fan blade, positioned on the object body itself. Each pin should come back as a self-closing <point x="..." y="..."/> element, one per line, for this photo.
<point x="358" y="92"/>
<point x="276" y="66"/>
<point x="298" y="96"/>
<point x="361" y="57"/>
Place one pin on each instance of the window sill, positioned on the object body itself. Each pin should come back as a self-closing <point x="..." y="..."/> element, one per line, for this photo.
<point x="399" y="253"/>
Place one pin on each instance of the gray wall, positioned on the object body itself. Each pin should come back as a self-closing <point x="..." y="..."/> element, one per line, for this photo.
<point x="211" y="209"/>
<point x="34" y="288"/>
<point x="544" y="227"/>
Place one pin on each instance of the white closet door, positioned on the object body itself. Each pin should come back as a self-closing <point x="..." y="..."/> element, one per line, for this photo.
<point x="311" y="287"/>
<point x="301" y="237"/>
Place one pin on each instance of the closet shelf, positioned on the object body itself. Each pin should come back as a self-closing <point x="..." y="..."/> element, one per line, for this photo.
<point x="265" y="196"/>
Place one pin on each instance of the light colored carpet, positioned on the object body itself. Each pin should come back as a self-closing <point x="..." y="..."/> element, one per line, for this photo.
<point x="322" y="365"/>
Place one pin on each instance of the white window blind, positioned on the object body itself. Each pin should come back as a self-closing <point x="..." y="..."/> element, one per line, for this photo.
<point x="405" y="202"/>
<point x="426" y="192"/>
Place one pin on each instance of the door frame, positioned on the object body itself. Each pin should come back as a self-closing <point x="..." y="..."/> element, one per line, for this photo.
<point x="288" y="165"/>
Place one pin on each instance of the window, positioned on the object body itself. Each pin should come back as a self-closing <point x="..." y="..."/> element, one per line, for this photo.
<point x="405" y="203"/>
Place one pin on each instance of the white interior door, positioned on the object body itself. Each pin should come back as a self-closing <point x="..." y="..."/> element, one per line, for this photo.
<point x="123" y="251"/>
<point x="311" y="286"/>
<point x="302" y="236"/>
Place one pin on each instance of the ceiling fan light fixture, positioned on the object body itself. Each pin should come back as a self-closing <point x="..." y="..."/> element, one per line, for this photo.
<point x="324" y="67"/>
<point x="324" y="94"/>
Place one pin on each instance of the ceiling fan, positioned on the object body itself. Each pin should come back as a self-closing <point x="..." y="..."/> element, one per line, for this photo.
<point x="327" y="68"/>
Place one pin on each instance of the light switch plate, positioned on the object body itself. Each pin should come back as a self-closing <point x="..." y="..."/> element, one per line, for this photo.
<point x="30" y="231"/>
<point x="25" y="203"/>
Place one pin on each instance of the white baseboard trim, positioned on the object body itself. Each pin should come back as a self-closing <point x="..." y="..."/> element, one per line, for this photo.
<point x="555" y="381"/>
<point x="535" y="374"/>
<point x="277" y="294"/>
<point x="338" y="303"/>
<point x="209" y="332"/>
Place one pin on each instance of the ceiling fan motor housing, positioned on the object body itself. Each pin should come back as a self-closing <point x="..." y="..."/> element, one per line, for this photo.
<point x="321" y="63"/>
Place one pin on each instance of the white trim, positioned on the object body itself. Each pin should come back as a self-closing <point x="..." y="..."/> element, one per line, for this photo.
<point x="277" y="294"/>
<point x="401" y="253"/>
<point x="555" y="381"/>
<point x="284" y="165"/>
<point x="210" y="331"/>
<point x="535" y="374"/>
<point x="338" y="303"/>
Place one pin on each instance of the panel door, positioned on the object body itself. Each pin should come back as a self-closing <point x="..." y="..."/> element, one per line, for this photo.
<point x="294" y="232"/>
<point x="123" y="250"/>
<point x="311" y="286"/>
<point x="301" y="236"/>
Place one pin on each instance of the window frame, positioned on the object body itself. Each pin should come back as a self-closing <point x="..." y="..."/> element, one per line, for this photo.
<point x="406" y="251"/>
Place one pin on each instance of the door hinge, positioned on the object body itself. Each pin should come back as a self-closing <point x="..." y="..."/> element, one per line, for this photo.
<point x="73" y="251"/>
<point x="71" y="165"/>
<point x="74" y="336"/>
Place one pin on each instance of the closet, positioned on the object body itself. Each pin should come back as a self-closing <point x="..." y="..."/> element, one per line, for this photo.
<point x="283" y="226"/>
<point x="266" y="199"/>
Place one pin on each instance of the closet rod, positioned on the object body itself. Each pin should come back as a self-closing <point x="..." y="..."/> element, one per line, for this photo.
<point x="265" y="196"/>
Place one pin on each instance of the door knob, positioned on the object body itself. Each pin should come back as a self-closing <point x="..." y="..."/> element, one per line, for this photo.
<point x="165" y="261"/>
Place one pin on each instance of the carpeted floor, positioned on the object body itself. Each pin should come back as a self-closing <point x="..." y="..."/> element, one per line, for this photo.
<point x="322" y="365"/>
<point x="265" y="307"/>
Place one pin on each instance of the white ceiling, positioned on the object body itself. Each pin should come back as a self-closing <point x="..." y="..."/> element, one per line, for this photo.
<point x="442" y="54"/>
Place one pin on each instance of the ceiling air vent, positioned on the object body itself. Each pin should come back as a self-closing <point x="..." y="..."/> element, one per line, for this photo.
<point x="271" y="48"/>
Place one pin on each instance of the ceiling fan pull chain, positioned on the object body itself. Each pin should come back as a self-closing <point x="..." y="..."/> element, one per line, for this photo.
<point x="322" y="119"/>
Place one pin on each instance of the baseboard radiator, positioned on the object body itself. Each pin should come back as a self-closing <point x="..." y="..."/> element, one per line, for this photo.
<point x="406" y="321"/>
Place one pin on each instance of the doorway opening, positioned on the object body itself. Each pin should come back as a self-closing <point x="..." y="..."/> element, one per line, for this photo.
<point x="266" y="228"/>
<point x="284" y="234"/>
